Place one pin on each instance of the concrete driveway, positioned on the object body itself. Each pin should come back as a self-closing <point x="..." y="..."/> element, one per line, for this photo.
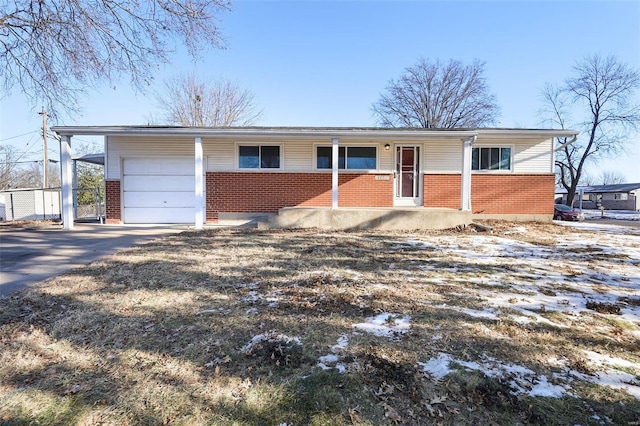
<point x="29" y="256"/>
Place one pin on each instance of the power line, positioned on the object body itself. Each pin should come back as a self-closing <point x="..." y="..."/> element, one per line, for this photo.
<point x="19" y="136"/>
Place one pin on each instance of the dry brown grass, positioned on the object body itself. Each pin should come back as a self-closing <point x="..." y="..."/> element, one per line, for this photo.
<point x="161" y="334"/>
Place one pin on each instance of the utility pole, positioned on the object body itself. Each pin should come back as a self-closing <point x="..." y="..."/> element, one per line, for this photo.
<point x="45" y="173"/>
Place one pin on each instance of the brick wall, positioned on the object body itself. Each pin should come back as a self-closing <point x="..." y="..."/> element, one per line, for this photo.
<point x="513" y="194"/>
<point x="357" y="190"/>
<point x="442" y="191"/>
<point x="112" y="188"/>
<point x="268" y="192"/>
<point x="494" y="193"/>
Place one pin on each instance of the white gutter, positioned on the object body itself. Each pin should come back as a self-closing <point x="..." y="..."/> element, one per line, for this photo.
<point x="263" y="132"/>
<point x="573" y="139"/>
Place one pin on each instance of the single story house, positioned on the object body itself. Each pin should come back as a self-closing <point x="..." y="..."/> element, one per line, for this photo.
<point x="623" y="196"/>
<point x="198" y="175"/>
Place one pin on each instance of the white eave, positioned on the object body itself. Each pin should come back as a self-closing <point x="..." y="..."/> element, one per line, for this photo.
<point x="307" y="132"/>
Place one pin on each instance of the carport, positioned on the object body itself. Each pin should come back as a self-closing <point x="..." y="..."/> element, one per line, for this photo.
<point x="187" y="174"/>
<point x="97" y="159"/>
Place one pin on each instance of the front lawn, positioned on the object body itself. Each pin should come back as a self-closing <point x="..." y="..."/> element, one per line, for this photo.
<point x="528" y="324"/>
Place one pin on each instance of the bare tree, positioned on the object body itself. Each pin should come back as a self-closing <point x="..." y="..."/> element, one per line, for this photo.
<point x="190" y="101"/>
<point x="16" y="172"/>
<point x="603" y="91"/>
<point x="612" y="177"/>
<point x="53" y="50"/>
<point x="438" y="95"/>
<point x="587" y="179"/>
<point x="9" y="165"/>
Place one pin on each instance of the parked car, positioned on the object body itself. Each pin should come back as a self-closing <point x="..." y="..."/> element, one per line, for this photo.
<point x="562" y="212"/>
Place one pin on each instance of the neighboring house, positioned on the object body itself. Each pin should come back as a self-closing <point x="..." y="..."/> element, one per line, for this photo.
<point x="623" y="196"/>
<point x="160" y="174"/>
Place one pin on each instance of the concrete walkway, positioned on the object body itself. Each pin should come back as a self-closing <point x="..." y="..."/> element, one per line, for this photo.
<point x="31" y="255"/>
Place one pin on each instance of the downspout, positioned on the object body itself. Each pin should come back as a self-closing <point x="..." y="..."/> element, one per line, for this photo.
<point x="573" y="139"/>
<point x="465" y="184"/>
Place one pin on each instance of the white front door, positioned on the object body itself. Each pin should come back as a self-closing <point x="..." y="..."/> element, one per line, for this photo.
<point x="408" y="185"/>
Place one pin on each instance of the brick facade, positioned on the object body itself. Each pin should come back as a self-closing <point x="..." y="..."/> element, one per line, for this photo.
<point x="243" y="192"/>
<point x="513" y="194"/>
<point x="506" y="194"/>
<point x="112" y="189"/>
<point x="442" y="191"/>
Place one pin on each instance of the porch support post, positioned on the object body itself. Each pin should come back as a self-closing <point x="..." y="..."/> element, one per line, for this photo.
<point x="66" y="183"/>
<point x="199" y="189"/>
<point x="334" y="173"/>
<point x="75" y="189"/>
<point x="465" y="184"/>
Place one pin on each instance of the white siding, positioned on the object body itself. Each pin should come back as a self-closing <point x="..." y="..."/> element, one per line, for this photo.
<point x="220" y="154"/>
<point x="144" y="147"/>
<point x="533" y="157"/>
<point x="298" y="156"/>
<point x="443" y="156"/>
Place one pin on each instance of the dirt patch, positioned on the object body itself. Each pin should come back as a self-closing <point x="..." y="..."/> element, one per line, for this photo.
<point x="604" y="307"/>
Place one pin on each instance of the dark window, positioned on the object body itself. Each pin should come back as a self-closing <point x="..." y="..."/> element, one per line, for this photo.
<point x="259" y="157"/>
<point x="323" y="157"/>
<point x="270" y="157"/>
<point x="350" y="157"/>
<point x="361" y="157"/>
<point x="491" y="159"/>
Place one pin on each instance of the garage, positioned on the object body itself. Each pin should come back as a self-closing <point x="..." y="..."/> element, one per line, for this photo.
<point x="158" y="190"/>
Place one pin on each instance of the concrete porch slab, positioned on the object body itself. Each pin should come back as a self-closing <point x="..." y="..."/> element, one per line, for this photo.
<point x="396" y="218"/>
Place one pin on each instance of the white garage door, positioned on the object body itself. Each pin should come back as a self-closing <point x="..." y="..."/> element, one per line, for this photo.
<point x="158" y="190"/>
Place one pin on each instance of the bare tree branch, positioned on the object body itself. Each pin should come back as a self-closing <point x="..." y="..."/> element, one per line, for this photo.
<point x="190" y="101"/>
<point x="606" y="90"/>
<point x="54" y="50"/>
<point x="438" y="95"/>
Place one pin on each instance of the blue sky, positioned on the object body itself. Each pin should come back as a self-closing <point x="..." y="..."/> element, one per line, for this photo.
<point x="323" y="63"/>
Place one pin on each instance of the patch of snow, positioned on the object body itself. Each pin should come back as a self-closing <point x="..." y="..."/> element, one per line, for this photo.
<point x="333" y="358"/>
<point x="343" y="342"/>
<point x="437" y="367"/>
<point x="612" y="214"/>
<point x="486" y="313"/>
<point x="271" y="337"/>
<point x="613" y="379"/>
<point x="252" y="297"/>
<point x="385" y="325"/>
<point x="517" y="230"/>
<point x="521" y="379"/>
<point x="329" y="359"/>
<point x="599" y="359"/>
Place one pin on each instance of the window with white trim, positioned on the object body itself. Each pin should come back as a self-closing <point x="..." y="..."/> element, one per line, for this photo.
<point x="349" y="157"/>
<point x="621" y="196"/>
<point x="491" y="158"/>
<point x="259" y="156"/>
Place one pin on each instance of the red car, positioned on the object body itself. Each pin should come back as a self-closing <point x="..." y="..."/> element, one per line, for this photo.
<point x="562" y="212"/>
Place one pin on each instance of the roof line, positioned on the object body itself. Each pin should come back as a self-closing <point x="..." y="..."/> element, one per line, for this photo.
<point x="303" y="131"/>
